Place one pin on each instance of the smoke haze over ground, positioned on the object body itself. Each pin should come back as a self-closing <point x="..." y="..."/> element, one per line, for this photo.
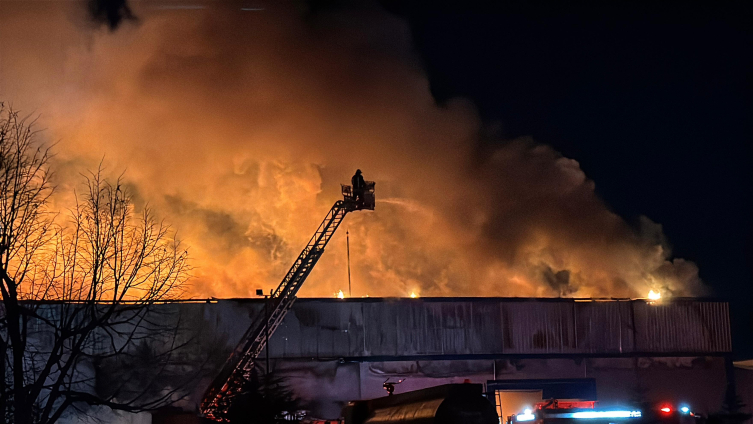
<point x="238" y="126"/>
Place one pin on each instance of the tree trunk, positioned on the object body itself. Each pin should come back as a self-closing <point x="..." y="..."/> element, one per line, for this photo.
<point x="3" y="403"/>
<point x="21" y="409"/>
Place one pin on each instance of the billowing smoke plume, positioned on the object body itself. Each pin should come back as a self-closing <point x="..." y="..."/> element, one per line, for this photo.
<point x="110" y="12"/>
<point x="239" y="125"/>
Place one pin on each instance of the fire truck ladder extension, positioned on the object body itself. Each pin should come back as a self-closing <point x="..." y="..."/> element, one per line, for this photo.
<point x="238" y="367"/>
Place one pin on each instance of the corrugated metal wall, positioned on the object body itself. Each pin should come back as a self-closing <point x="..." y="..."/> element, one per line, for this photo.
<point x="359" y="328"/>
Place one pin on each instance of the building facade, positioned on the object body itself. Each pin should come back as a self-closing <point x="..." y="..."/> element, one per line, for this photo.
<point x="331" y="351"/>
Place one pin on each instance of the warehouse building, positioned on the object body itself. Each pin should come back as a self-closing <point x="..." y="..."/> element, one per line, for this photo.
<point x="331" y="351"/>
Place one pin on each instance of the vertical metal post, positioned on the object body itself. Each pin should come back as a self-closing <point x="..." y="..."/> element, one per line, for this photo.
<point x="266" y="330"/>
<point x="347" y="243"/>
<point x="730" y="395"/>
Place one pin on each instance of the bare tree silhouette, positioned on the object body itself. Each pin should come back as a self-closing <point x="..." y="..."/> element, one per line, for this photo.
<point x="78" y="289"/>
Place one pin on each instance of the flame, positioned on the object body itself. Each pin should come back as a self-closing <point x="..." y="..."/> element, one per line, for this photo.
<point x="340" y="295"/>
<point x="413" y="295"/>
<point x="654" y="295"/>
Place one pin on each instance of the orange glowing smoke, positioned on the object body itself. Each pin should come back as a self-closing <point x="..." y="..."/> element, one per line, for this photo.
<point x="238" y="128"/>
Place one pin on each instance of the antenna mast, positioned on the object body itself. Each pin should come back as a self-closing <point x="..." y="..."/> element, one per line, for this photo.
<point x="347" y="244"/>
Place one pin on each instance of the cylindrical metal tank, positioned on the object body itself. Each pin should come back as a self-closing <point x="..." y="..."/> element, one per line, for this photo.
<point x="447" y="404"/>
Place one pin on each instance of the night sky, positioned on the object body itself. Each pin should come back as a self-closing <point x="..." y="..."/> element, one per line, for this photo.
<point x="654" y="102"/>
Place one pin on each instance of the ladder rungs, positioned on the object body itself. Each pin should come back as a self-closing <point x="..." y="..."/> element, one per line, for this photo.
<point x="255" y="340"/>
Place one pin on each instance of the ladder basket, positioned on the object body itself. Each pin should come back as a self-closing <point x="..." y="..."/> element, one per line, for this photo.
<point x="367" y="201"/>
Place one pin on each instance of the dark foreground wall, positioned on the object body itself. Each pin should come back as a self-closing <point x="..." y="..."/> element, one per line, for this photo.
<point x="744" y="383"/>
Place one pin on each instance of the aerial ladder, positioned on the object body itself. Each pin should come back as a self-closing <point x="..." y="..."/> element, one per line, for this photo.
<point x="237" y="369"/>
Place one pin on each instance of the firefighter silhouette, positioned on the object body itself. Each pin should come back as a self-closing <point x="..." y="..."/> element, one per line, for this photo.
<point x="359" y="185"/>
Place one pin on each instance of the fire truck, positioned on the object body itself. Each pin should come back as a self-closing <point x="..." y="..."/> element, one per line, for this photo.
<point x="587" y="412"/>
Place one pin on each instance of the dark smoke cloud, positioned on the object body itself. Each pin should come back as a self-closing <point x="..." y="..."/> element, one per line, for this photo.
<point x="110" y="12"/>
<point x="238" y="127"/>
